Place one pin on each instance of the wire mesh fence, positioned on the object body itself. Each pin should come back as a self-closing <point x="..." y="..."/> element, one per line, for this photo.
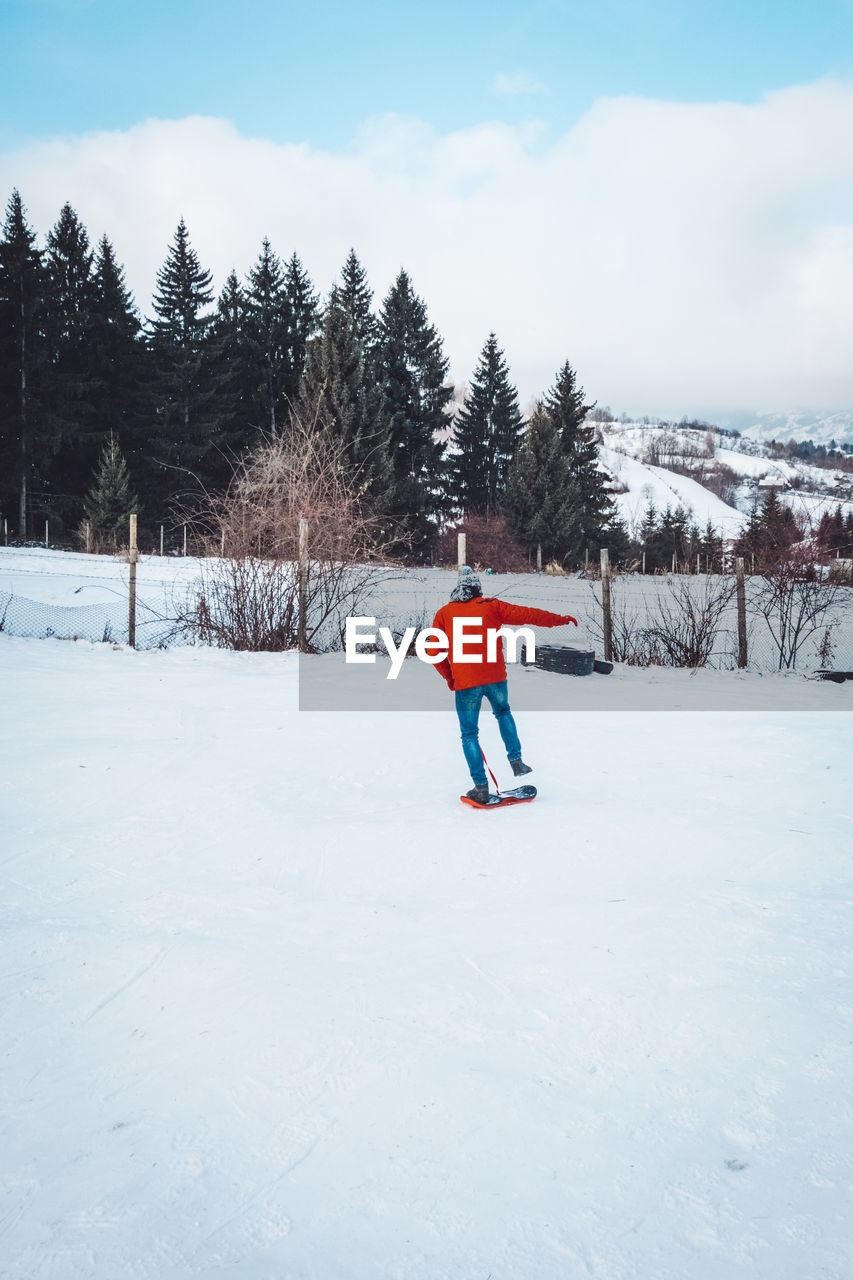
<point x="98" y="623"/>
<point x="672" y="620"/>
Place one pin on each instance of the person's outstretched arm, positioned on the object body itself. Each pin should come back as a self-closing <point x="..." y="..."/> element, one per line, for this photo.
<point x="519" y="613"/>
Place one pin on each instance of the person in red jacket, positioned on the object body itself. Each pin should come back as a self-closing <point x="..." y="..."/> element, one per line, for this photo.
<point x="477" y="677"/>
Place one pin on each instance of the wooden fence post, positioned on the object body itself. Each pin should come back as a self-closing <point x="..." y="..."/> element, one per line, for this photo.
<point x="741" y="613"/>
<point x="302" y="603"/>
<point x="88" y="537"/>
<point x="461" y="550"/>
<point x="161" y="539"/>
<point x="46" y="538"/>
<point x="185" y="539"/>
<point x="644" y="560"/>
<point x="133" y="556"/>
<point x="538" y="557"/>
<point x="605" y="605"/>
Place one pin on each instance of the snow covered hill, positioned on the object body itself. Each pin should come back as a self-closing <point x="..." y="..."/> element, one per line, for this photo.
<point x="820" y="426"/>
<point x="663" y="488"/>
<point x="640" y="457"/>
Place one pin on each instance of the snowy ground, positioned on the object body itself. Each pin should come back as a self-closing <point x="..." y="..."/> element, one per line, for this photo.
<point x="276" y="1006"/>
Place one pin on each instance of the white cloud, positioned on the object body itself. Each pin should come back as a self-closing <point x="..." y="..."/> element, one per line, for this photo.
<point x="517" y="84"/>
<point x="681" y="256"/>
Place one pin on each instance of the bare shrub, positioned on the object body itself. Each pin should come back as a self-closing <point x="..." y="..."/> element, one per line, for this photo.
<point x="252" y="597"/>
<point x="682" y="628"/>
<point x="796" y="598"/>
<point x="685" y="626"/>
<point x="629" y="638"/>
<point x="490" y="544"/>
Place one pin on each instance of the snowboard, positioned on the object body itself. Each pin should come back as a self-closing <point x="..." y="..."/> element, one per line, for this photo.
<point x="519" y="795"/>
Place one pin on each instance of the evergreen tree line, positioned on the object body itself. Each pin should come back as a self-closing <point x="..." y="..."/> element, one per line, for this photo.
<point x="835" y="533"/>
<point x="770" y="530"/>
<point x="670" y="534"/>
<point x="100" y="407"/>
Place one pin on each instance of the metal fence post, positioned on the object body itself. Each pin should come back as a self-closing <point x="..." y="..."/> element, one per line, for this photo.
<point x="605" y="605"/>
<point x="741" y="612"/>
<point x="133" y="556"/>
<point x="302" y="603"/>
<point x="461" y="550"/>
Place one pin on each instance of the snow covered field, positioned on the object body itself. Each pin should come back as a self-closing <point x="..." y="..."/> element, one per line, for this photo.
<point x="275" y="1006"/>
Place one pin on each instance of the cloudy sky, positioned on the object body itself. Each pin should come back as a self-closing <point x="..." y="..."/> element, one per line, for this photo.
<point x="660" y="192"/>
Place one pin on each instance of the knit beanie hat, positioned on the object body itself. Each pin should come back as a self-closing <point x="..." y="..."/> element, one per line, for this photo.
<point x="468" y="587"/>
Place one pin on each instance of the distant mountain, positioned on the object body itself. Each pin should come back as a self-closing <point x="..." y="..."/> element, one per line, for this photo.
<point x="821" y="426"/>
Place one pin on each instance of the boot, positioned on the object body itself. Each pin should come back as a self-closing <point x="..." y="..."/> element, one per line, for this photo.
<point x="519" y="768"/>
<point x="480" y="794"/>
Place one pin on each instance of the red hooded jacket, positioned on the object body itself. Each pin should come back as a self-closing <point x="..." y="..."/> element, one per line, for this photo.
<point x="492" y="614"/>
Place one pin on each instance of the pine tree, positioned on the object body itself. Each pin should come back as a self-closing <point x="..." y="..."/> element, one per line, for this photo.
<point x="565" y="401"/>
<point x="355" y="297"/>
<point x="486" y="435"/>
<point x="836" y="530"/>
<point x="751" y="541"/>
<point x="540" y="501"/>
<point x="233" y="366"/>
<point x="118" y="358"/>
<point x="339" y="395"/>
<point x="109" y="502"/>
<point x="189" y="416"/>
<point x="566" y="405"/>
<point x="303" y="322"/>
<point x="267" y="326"/>
<point x="413" y="369"/>
<point x="24" y="443"/>
<point x="682" y="537"/>
<point x="778" y="526"/>
<point x="711" y="549"/>
<point x="71" y="381"/>
<point x="649" y="538"/>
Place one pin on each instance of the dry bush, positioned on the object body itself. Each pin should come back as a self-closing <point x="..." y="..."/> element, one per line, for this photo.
<point x="796" y="597"/>
<point x="250" y="597"/>
<point x="100" y="544"/>
<point x="679" y="631"/>
<point x="628" y="637"/>
<point x="490" y="544"/>
<point x="685" y="627"/>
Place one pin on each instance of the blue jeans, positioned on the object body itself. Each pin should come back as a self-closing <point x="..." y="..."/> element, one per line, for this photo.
<point x="468" y="710"/>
